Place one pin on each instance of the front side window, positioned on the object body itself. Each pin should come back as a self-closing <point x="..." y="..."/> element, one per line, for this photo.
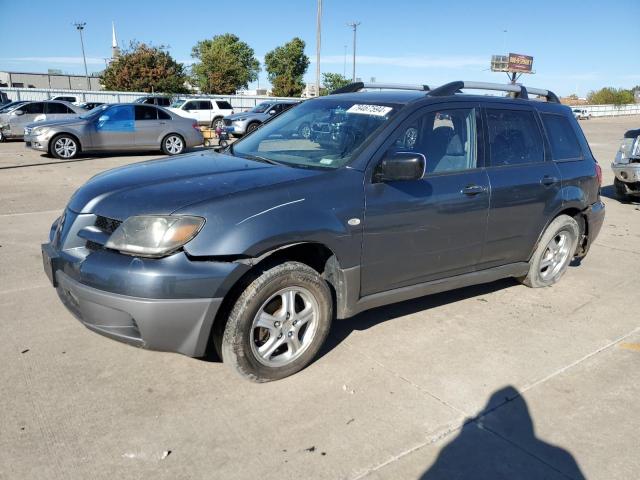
<point x="35" y="108"/>
<point x="323" y="133"/>
<point x="144" y="112"/>
<point x="119" y="118"/>
<point x="563" y="140"/>
<point x="446" y="138"/>
<point x="261" y="107"/>
<point x="514" y="137"/>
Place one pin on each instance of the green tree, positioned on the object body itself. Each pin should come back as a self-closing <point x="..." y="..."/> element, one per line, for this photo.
<point x="225" y="64"/>
<point x="145" y="68"/>
<point x="286" y="65"/>
<point x="610" y="95"/>
<point x="333" y="81"/>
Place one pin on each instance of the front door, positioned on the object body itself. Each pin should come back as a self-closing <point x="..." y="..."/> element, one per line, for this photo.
<point x="115" y="128"/>
<point x="421" y="230"/>
<point x="524" y="184"/>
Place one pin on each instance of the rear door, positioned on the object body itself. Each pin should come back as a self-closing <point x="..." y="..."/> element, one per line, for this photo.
<point x="421" y="230"/>
<point x="147" y="126"/>
<point x="525" y="184"/>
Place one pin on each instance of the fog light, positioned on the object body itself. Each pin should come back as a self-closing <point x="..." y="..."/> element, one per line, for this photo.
<point x="623" y="175"/>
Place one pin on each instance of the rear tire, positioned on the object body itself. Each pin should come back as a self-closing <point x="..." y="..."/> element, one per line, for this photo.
<point x="65" y="147"/>
<point x="173" y="144"/>
<point x="278" y="323"/>
<point x="621" y="190"/>
<point x="553" y="255"/>
<point x="217" y="123"/>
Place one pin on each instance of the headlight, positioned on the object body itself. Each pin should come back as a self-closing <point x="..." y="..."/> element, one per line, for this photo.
<point x="240" y="119"/>
<point x="154" y="236"/>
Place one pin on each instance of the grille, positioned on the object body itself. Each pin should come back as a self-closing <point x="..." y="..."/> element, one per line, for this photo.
<point x="93" y="246"/>
<point x="107" y="225"/>
<point x="227" y="122"/>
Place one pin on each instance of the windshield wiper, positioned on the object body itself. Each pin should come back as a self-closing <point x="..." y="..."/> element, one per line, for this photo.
<point x="250" y="156"/>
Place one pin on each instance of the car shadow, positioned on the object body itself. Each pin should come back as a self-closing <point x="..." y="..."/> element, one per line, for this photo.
<point x="609" y="191"/>
<point x="341" y="329"/>
<point x="500" y="443"/>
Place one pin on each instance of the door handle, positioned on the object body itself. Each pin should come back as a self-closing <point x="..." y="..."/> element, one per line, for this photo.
<point x="548" y="180"/>
<point x="474" y="189"/>
<point x="163" y="123"/>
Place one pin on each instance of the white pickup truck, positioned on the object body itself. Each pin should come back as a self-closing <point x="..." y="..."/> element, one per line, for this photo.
<point x="207" y="111"/>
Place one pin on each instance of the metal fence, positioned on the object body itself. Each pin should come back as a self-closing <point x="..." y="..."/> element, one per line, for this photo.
<point x="610" y="110"/>
<point x="238" y="102"/>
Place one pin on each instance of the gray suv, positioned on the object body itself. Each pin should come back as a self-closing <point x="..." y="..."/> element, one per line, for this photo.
<point x="398" y="194"/>
<point x="239" y="124"/>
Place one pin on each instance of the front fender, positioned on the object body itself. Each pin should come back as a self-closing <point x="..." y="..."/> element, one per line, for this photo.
<point x="326" y="209"/>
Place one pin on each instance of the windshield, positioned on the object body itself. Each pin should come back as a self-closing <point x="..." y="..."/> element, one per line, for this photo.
<point x="261" y="107"/>
<point x="94" y="112"/>
<point x="11" y="106"/>
<point x="323" y="133"/>
<point x="178" y="103"/>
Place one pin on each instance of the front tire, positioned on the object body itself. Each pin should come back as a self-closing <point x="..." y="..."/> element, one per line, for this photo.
<point x="65" y="147"/>
<point x="555" y="250"/>
<point x="252" y="127"/>
<point x="173" y="144"/>
<point x="278" y="323"/>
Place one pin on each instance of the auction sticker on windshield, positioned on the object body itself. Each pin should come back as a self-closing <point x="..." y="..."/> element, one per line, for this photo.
<point x="377" y="110"/>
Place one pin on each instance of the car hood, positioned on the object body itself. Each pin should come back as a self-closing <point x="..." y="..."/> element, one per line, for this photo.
<point x="59" y="122"/>
<point x="160" y="187"/>
<point x="247" y="115"/>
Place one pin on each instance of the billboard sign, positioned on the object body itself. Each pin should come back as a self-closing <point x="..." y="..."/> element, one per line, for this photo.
<point x="520" y="63"/>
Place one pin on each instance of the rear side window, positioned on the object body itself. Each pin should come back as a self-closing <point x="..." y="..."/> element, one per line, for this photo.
<point x="163" y="101"/>
<point x="563" y="140"/>
<point x="223" y="105"/>
<point x="204" y="105"/>
<point x="144" y="112"/>
<point x="514" y="137"/>
<point x="162" y="115"/>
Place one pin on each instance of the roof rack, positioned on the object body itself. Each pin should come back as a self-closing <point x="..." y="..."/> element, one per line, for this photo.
<point x="357" y="86"/>
<point x="520" y="91"/>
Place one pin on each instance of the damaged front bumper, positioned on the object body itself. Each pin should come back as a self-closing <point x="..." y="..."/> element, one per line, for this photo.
<point x="166" y="304"/>
<point x="629" y="175"/>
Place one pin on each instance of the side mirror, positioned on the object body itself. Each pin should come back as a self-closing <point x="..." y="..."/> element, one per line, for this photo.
<point x="18" y="112"/>
<point x="400" y="166"/>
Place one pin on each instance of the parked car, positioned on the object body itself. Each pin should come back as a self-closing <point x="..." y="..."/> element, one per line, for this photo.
<point x="206" y="111"/>
<point x="123" y="126"/>
<point x="161" y="100"/>
<point x="255" y="250"/>
<point x="581" y="113"/>
<point x="65" y="98"/>
<point x="626" y="166"/>
<point x="90" y="105"/>
<point x="239" y="124"/>
<point x="13" y="121"/>
<point x="11" y="105"/>
<point x="4" y="99"/>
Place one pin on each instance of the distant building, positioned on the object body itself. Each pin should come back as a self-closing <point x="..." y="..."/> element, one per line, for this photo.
<point x="48" y="80"/>
<point x="255" y="92"/>
<point x="310" y="90"/>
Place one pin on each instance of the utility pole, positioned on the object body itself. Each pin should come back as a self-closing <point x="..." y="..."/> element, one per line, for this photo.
<point x="344" y="67"/>
<point x="354" y="25"/>
<point x="318" y="41"/>
<point x="80" y="27"/>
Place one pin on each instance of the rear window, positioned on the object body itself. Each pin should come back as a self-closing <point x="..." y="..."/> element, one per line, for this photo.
<point x="223" y="105"/>
<point x="562" y="137"/>
<point x="514" y="137"/>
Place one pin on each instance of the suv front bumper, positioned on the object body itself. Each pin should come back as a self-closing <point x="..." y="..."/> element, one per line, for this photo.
<point x="627" y="173"/>
<point x="166" y="304"/>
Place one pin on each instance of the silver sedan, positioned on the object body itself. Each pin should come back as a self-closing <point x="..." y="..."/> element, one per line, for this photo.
<point x="115" y="127"/>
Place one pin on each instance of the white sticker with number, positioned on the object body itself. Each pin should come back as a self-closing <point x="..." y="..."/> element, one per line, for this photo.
<point x="376" y="110"/>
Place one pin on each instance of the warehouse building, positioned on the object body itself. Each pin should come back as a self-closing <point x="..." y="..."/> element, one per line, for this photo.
<point x="55" y="80"/>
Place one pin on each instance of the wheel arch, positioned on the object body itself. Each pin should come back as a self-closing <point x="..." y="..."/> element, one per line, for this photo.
<point x="56" y="135"/>
<point x="578" y="215"/>
<point x="313" y="254"/>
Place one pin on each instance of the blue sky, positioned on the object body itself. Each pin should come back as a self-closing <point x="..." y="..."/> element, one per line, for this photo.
<point x="577" y="45"/>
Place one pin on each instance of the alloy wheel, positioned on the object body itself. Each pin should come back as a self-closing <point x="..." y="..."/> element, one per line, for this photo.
<point x="65" y="147"/>
<point x="555" y="255"/>
<point x="174" y="144"/>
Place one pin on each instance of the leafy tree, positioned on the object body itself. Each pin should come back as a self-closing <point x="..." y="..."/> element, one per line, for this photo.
<point x="286" y="65"/>
<point x="610" y="95"/>
<point x="333" y="81"/>
<point x="225" y="64"/>
<point x="145" y="68"/>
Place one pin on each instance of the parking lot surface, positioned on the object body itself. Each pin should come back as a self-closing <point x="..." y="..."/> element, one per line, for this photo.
<point x="500" y="380"/>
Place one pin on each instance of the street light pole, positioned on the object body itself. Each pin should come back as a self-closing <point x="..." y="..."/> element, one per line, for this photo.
<point x="80" y="27"/>
<point x="354" y="25"/>
<point x="318" y="40"/>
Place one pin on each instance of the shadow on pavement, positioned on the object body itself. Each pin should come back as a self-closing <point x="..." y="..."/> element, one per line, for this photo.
<point x="500" y="443"/>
